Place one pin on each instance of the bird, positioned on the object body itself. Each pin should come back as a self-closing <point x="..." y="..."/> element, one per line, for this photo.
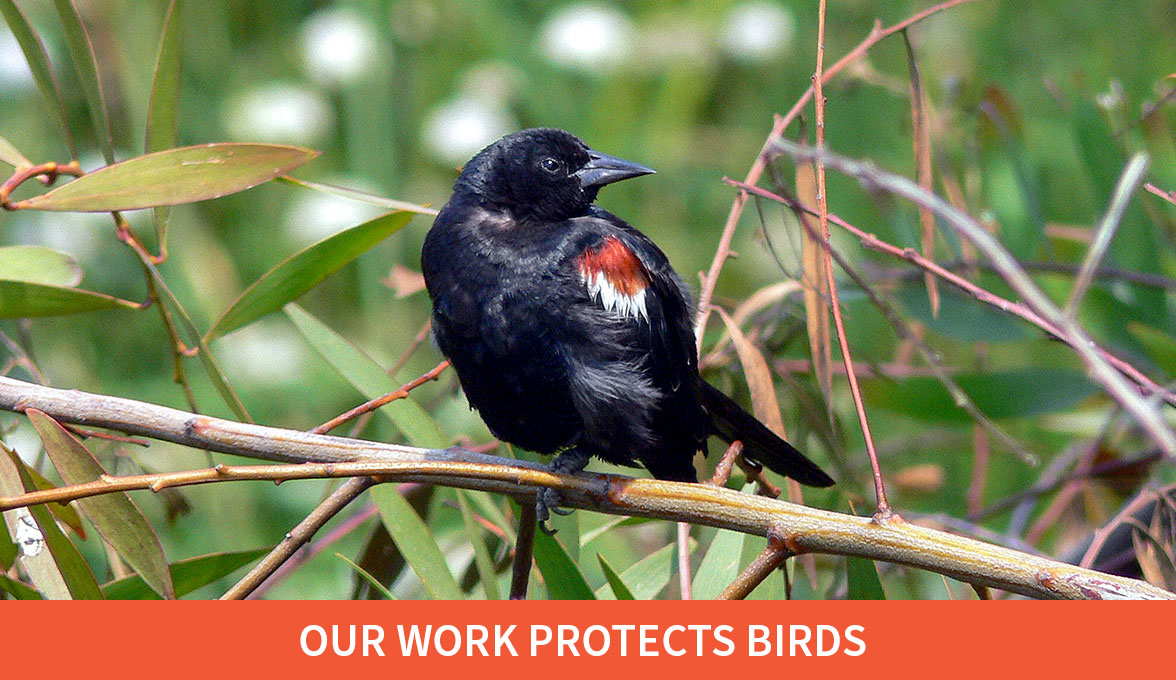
<point x="569" y="330"/>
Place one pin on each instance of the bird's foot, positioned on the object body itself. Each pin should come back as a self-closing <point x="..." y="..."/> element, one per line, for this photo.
<point x="548" y="501"/>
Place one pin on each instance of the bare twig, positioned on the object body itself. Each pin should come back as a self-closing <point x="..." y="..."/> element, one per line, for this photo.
<point x="367" y="407"/>
<point x="298" y="537"/>
<point x="723" y="251"/>
<point x="685" y="585"/>
<point x="1105" y="231"/>
<point x="1015" y="308"/>
<point x="520" y="570"/>
<point x="1169" y="196"/>
<point x="1100" y="370"/>
<point x="772" y="558"/>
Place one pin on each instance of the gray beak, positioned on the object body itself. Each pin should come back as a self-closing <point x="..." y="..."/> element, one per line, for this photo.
<point x="603" y="169"/>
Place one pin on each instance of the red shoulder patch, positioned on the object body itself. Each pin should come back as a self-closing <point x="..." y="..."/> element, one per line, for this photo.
<point x="617" y="265"/>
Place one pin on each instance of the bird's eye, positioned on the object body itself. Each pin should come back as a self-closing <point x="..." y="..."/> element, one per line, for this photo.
<point x="550" y="164"/>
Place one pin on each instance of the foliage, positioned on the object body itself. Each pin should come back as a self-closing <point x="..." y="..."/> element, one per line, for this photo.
<point x="1031" y="113"/>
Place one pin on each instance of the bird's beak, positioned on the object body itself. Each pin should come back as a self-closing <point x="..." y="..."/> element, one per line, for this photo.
<point x="603" y="169"/>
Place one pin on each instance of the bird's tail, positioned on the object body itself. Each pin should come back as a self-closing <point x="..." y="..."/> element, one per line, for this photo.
<point x="729" y="421"/>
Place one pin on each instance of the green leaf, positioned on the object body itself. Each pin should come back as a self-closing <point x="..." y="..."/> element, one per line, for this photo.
<point x="188" y="575"/>
<point x="207" y="360"/>
<point x="38" y="60"/>
<point x="360" y="196"/>
<point x="1160" y="346"/>
<point x="64" y="512"/>
<point x="114" y="515"/>
<point x="863" y="580"/>
<point x="86" y="65"/>
<point x="38" y="264"/>
<point x="720" y="565"/>
<point x="648" y="576"/>
<point x="370" y="379"/>
<point x="10" y="155"/>
<point x="1015" y="393"/>
<point x="613" y="523"/>
<point x="20" y="299"/>
<point x="416" y="543"/>
<point x="960" y="317"/>
<point x="172" y="177"/>
<point x="304" y="270"/>
<point x="619" y="589"/>
<point x="18" y="590"/>
<point x="164" y="107"/>
<point x="363" y="573"/>
<point x="51" y="560"/>
<point x="562" y="575"/>
<point x="482" y="560"/>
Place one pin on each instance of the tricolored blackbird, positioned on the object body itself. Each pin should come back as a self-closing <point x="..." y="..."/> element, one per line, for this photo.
<point x="569" y="330"/>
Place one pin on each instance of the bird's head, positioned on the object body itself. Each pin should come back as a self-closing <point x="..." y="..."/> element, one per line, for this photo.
<point x="542" y="174"/>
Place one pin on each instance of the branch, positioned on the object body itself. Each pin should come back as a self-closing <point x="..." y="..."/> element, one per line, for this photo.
<point x="802" y="529"/>
<point x="1145" y="412"/>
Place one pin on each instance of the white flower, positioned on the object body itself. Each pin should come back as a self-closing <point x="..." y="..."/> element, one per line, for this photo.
<point x="459" y="128"/>
<point x="279" y="112"/>
<point x="339" y="46"/>
<point x="758" y="31"/>
<point x="587" y="36"/>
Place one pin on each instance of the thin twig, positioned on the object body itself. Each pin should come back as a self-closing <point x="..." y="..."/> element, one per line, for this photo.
<point x="1099" y="369"/>
<point x="772" y="558"/>
<point x="723" y="251"/>
<point x="685" y="587"/>
<point x="520" y="570"/>
<point x="1104" y="233"/>
<point x="883" y="512"/>
<point x="298" y="537"/>
<point x="1169" y="196"/>
<point x="367" y="407"/>
<point x="1018" y="309"/>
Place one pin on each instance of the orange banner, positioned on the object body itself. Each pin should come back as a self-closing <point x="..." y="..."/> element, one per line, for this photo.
<point x="584" y="639"/>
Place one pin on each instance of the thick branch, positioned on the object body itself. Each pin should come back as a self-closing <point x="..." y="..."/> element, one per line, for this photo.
<point x="801" y="528"/>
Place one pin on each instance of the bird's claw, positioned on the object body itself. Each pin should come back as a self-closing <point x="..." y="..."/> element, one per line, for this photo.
<point x="547" y="502"/>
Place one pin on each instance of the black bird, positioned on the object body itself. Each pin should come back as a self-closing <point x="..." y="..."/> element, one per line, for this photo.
<point x="569" y="330"/>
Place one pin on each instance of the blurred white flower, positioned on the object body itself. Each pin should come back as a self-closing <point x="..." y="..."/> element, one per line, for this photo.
<point x="758" y="31"/>
<point x="673" y="41"/>
<point x="264" y="353"/>
<point x="587" y="36"/>
<point x="315" y="215"/>
<point x="459" y="128"/>
<point x="14" y="71"/>
<point x="280" y="113"/>
<point x="339" y="45"/>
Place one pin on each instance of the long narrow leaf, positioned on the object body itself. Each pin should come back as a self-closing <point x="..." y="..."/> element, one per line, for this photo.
<point x="38" y="60"/>
<point x="18" y="590"/>
<point x="164" y="108"/>
<point x="21" y="299"/>
<point x="304" y="270"/>
<point x="864" y="583"/>
<point x="114" y="515"/>
<point x="187" y="575"/>
<point x="172" y="177"/>
<point x="816" y="288"/>
<point x="81" y="49"/>
<point x="416" y="543"/>
<point x="561" y="574"/>
<point x="482" y="559"/>
<point x="38" y="264"/>
<point x="372" y="580"/>
<point x="648" y="576"/>
<point x="620" y="589"/>
<point x="370" y="379"/>
<point x="207" y="360"/>
<point x="54" y="564"/>
<point x="921" y="134"/>
<point x="360" y="196"/>
<point x="10" y="155"/>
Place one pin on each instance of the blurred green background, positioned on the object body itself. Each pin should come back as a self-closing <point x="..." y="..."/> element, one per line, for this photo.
<point x="1037" y="105"/>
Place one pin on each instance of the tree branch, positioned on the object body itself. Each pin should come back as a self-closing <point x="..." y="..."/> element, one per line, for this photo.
<point x="802" y="529"/>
